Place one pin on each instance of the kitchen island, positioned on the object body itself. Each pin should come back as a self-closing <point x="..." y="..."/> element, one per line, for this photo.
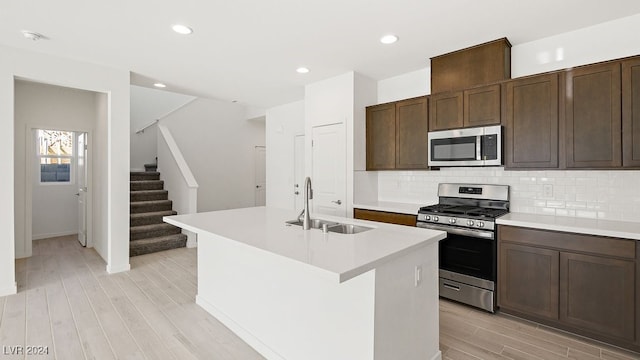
<point x="296" y="294"/>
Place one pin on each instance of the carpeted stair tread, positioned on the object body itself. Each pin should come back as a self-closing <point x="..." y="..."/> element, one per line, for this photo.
<point x="139" y="185"/>
<point x="149" y="218"/>
<point x="160" y="243"/>
<point x="150" y="206"/>
<point x="144" y="175"/>
<point x="153" y="230"/>
<point x="148" y="195"/>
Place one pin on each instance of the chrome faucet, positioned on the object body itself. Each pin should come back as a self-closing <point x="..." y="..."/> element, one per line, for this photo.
<point x="308" y="195"/>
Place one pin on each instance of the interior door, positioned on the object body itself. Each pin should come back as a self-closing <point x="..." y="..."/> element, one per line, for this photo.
<point x="329" y="170"/>
<point x="298" y="172"/>
<point x="261" y="175"/>
<point x="82" y="187"/>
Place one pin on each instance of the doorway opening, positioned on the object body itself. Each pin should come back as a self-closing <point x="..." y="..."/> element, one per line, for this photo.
<point x="57" y="181"/>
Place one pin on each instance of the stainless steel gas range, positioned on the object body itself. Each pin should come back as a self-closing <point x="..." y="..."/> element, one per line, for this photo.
<point x="468" y="256"/>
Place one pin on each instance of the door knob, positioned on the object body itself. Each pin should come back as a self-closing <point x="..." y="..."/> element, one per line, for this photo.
<point x="337" y="202"/>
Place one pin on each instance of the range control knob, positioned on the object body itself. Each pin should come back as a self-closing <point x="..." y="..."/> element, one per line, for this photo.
<point x="427" y="217"/>
<point x="470" y="222"/>
<point x="480" y="224"/>
<point x="452" y="221"/>
<point x="435" y="218"/>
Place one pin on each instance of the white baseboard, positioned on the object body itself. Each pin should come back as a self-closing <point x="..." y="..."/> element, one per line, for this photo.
<point x="136" y="170"/>
<point x="51" y="235"/>
<point x="118" y="268"/>
<point x="9" y="290"/>
<point x="437" y="356"/>
<point x="243" y="334"/>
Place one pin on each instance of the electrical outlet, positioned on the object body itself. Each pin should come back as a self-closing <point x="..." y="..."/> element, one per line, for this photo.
<point x="418" y="276"/>
<point x="547" y="190"/>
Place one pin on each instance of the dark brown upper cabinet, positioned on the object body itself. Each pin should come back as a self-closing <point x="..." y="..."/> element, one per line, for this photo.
<point x="482" y="106"/>
<point x="397" y="135"/>
<point x="531" y="126"/>
<point x="381" y="137"/>
<point x="446" y="111"/>
<point x="477" y="65"/>
<point x="593" y="116"/>
<point x="631" y="113"/>
<point x="412" y="126"/>
<point x="473" y="107"/>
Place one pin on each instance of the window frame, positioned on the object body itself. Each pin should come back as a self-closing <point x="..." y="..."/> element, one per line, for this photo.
<point x="72" y="163"/>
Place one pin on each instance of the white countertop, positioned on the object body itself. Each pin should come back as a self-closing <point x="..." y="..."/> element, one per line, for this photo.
<point x="401" y="208"/>
<point x="619" y="229"/>
<point x="340" y="255"/>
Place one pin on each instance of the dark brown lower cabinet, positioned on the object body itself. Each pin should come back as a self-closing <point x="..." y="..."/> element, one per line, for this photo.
<point x="580" y="283"/>
<point x="638" y="296"/>
<point x="385" y="217"/>
<point x="535" y="290"/>
<point x="597" y="294"/>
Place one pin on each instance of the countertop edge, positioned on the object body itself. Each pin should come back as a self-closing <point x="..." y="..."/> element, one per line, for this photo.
<point x="573" y="225"/>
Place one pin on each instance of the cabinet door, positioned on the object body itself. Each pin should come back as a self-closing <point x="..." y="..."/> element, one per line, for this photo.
<point x="631" y="113"/>
<point x="381" y="137"/>
<point x="531" y="130"/>
<point x="528" y="280"/>
<point x="597" y="294"/>
<point x="593" y="117"/>
<point x="446" y="111"/>
<point x="482" y="106"/>
<point x="412" y="125"/>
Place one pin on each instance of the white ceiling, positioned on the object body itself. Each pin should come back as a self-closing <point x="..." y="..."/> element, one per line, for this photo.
<point x="248" y="50"/>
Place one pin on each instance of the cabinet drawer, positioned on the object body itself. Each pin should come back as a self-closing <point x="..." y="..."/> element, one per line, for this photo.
<point x="580" y="243"/>
<point x="385" y="217"/>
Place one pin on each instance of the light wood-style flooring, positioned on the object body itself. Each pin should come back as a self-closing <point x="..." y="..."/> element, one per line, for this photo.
<point x="67" y="302"/>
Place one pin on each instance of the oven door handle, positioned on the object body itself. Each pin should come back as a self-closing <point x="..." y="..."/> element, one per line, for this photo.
<point x="458" y="231"/>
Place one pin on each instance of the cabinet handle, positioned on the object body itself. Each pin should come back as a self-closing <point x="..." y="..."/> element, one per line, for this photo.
<point x="297" y="192"/>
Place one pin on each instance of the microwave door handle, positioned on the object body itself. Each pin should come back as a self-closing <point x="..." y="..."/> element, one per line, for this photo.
<point x="479" y="147"/>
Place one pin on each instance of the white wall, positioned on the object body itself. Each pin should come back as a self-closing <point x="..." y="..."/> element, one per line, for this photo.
<point x="100" y="172"/>
<point x="148" y="105"/>
<point x="283" y="123"/>
<point x="54" y="70"/>
<point x="54" y="206"/>
<point x="218" y="145"/>
<point x="589" y="194"/>
<point x="405" y="86"/>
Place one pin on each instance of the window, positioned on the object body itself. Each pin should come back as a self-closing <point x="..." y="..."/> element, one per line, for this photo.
<point x="55" y="152"/>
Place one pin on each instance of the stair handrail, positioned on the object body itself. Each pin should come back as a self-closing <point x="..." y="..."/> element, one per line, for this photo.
<point x="142" y="129"/>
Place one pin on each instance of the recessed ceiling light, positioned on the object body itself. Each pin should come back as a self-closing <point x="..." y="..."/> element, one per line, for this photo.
<point x="302" y="70"/>
<point x="32" y="35"/>
<point x="182" y="29"/>
<point x="160" y="85"/>
<point x="388" y="39"/>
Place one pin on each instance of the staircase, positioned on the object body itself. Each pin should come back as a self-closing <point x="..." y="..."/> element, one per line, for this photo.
<point x="149" y="202"/>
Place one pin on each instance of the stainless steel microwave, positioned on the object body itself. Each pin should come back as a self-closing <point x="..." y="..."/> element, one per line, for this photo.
<point x="481" y="146"/>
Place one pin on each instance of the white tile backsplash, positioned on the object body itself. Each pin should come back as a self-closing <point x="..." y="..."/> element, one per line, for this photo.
<point x="611" y="195"/>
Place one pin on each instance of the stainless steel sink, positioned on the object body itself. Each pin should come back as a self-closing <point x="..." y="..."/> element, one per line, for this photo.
<point x="348" y="228"/>
<point x="315" y="223"/>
